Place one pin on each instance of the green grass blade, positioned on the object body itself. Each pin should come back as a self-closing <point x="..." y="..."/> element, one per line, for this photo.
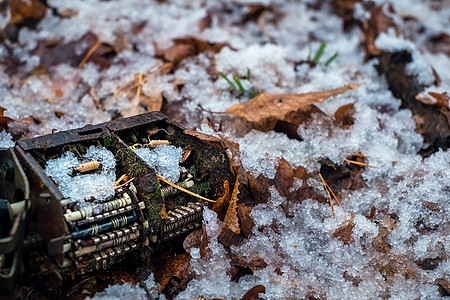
<point x="228" y="80"/>
<point x="319" y="52"/>
<point x="331" y="59"/>
<point x="309" y="49"/>
<point x="248" y="75"/>
<point x="239" y="84"/>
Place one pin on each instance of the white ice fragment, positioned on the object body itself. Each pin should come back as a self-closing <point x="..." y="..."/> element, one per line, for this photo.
<point x="195" y="253"/>
<point x="119" y="292"/>
<point x="164" y="158"/>
<point x="6" y="140"/>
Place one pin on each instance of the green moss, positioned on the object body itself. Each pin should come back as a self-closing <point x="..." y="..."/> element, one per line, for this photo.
<point x="108" y="141"/>
<point x="201" y="188"/>
<point x="153" y="211"/>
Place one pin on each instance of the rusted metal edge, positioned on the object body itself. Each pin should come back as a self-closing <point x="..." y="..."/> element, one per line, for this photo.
<point x="46" y="197"/>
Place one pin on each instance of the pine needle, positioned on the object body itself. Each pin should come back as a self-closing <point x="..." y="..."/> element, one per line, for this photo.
<point x="150" y="72"/>
<point x="120" y="179"/>
<point x="360" y="163"/>
<point x="90" y="52"/>
<point x="125" y="183"/>
<point x="183" y="189"/>
<point x="328" y="190"/>
<point x="138" y="91"/>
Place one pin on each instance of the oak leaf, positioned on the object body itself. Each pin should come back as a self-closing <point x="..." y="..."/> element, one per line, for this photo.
<point x="265" y="106"/>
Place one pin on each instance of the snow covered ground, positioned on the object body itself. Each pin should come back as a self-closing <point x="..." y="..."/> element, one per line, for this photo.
<point x="402" y="252"/>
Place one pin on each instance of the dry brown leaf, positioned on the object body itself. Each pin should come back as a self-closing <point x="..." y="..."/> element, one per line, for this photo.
<point x="23" y="11"/>
<point x="222" y="203"/>
<point x="151" y="103"/>
<point x="202" y="136"/>
<point x="440" y="43"/>
<point x="253" y="293"/>
<point x="379" y="22"/>
<point x="442" y="100"/>
<point x="193" y="240"/>
<point x="4" y="120"/>
<point x="53" y="52"/>
<point x="188" y="46"/>
<point x="276" y="106"/>
<point x="205" y="22"/>
<point x="344" y="233"/>
<point x="344" y="116"/>
<point x="247" y="222"/>
<point x="231" y="231"/>
<point x="172" y="269"/>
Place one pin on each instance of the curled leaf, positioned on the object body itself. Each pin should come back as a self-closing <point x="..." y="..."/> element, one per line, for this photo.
<point x="266" y="106"/>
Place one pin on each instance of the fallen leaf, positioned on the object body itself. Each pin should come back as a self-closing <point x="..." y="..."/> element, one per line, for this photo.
<point x="272" y="107"/>
<point x="344" y="233"/>
<point x="253" y="293"/>
<point x="26" y="12"/>
<point x="4" y="121"/>
<point x="379" y="22"/>
<point x="344" y="116"/>
<point x="440" y="43"/>
<point x="204" y="241"/>
<point x="171" y="271"/>
<point x="290" y="123"/>
<point x="247" y="222"/>
<point x="443" y="286"/>
<point x="221" y="204"/>
<point x="254" y="11"/>
<point x="202" y="136"/>
<point x="231" y="231"/>
<point x="151" y="103"/>
<point x="441" y="100"/>
<point x="188" y="46"/>
<point x="391" y="264"/>
<point x="54" y="52"/>
<point x="344" y="9"/>
<point x="205" y="22"/>
<point x="192" y="240"/>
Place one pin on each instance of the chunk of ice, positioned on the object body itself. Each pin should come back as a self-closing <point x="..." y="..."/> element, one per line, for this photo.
<point x="6" y="140"/>
<point x="82" y="186"/>
<point x="164" y="158"/>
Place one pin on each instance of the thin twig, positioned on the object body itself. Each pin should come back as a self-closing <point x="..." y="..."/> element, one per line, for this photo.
<point x="125" y="183"/>
<point x="119" y="90"/>
<point x="90" y="52"/>
<point x="132" y="83"/>
<point x="183" y="189"/>
<point x="360" y="163"/>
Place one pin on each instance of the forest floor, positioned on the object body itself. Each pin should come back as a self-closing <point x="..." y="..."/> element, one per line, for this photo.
<point x="346" y="94"/>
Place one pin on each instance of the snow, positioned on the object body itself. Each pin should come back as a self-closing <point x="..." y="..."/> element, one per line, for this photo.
<point x="165" y="159"/>
<point x="99" y="186"/>
<point x="418" y="65"/>
<point x="6" y="140"/>
<point x="410" y="193"/>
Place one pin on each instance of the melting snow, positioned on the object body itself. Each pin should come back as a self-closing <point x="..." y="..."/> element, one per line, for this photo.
<point x="411" y="194"/>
